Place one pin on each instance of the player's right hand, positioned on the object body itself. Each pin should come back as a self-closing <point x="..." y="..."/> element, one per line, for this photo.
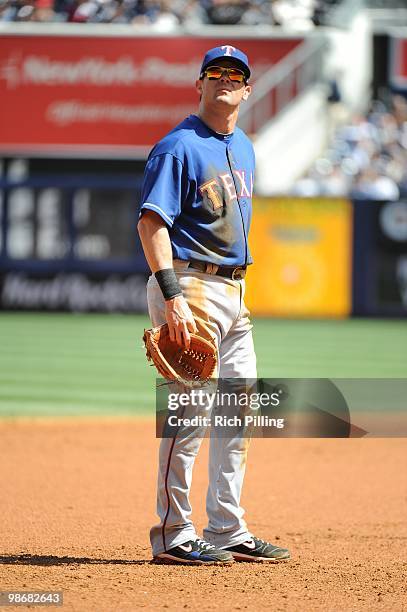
<point x="180" y="320"/>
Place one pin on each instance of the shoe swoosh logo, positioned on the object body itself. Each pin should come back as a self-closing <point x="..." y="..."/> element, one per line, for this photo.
<point x="187" y="548"/>
<point x="250" y="544"/>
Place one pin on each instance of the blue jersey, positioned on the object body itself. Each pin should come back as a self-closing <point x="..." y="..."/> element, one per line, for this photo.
<point x="201" y="184"/>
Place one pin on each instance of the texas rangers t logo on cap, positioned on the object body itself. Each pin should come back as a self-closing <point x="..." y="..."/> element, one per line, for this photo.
<point x="226" y="51"/>
<point x="229" y="49"/>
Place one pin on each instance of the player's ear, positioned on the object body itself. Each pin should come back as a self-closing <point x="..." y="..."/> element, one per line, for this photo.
<point x="198" y="86"/>
<point x="247" y="92"/>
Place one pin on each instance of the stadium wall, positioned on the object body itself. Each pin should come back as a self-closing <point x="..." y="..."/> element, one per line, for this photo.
<point x="314" y="257"/>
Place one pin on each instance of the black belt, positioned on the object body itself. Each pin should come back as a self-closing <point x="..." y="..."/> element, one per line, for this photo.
<point x="226" y="271"/>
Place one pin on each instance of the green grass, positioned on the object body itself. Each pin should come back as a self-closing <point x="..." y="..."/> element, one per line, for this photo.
<point x="95" y="364"/>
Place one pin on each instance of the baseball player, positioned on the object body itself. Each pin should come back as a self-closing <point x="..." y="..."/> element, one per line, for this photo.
<point x="194" y="222"/>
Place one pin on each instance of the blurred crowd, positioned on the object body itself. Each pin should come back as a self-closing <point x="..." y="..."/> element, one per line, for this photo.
<point x="386" y="4"/>
<point x="167" y="14"/>
<point x="367" y="157"/>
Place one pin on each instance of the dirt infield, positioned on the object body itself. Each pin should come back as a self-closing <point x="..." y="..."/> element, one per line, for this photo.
<point x="77" y="500"/>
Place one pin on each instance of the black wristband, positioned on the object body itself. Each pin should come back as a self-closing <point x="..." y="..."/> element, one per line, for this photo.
<point x="168" y="283"/>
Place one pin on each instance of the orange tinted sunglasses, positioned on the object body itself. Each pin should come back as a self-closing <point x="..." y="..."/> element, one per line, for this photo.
<point x="216" y="72"/>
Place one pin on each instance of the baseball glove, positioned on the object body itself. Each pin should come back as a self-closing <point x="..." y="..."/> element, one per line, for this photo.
<point x="173" y="362"/>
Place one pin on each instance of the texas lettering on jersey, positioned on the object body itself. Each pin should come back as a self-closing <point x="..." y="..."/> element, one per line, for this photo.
<point x="225" y="183"/>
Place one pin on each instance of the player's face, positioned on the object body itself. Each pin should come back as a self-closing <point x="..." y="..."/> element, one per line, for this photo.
<point x="223" y="90"/>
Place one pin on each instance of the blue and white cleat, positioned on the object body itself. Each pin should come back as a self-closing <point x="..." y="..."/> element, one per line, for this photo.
<point x="196" y="552"/>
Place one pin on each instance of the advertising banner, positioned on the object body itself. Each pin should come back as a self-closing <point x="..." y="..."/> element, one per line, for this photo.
<point x="303" y="258"/>
<point x="109" y="95"/>
<point x="73" y="292"/>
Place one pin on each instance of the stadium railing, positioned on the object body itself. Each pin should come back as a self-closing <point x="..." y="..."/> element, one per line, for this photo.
<point x="275" y="89"/>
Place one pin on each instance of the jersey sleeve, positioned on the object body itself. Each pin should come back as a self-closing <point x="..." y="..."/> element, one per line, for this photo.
<point x="165" y="186"/>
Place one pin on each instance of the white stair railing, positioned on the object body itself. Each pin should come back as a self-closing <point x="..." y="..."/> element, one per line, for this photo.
<point x="282" y="83"/>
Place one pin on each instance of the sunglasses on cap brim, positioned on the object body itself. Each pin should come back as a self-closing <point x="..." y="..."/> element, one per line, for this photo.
<point x="216" y="72"/>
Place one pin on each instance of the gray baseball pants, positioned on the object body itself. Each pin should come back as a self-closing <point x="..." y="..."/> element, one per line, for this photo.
<point x="218" y="307"/>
